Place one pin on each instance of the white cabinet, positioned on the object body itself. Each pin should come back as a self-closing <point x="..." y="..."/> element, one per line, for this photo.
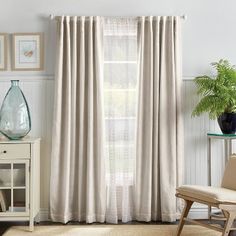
<point x="20" y="180"/>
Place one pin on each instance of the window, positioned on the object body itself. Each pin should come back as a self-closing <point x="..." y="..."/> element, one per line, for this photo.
<point x="120" y="98"/>
<point x="120" y="102"/>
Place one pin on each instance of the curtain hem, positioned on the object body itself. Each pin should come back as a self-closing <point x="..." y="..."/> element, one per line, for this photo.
<point x="114" y="220"/>
<point x="74" y="217"/>
<point x="165" y="217"/>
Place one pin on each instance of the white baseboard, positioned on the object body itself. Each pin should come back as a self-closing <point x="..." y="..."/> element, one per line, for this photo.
<point x="197" y="212"/>
<point x="44" y="214"/>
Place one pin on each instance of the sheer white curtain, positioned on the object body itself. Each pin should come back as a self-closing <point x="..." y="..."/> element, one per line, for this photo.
<point x="120" y="99"/>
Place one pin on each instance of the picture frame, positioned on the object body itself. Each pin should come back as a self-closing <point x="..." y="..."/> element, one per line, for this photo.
<point x="3" y="51"/>
<point x="28" y="52"/>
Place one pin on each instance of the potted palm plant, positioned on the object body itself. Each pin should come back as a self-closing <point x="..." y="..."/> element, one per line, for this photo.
<point x="218" y="96"/>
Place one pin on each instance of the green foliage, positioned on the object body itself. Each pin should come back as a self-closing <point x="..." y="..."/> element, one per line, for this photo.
<point x="218" y="94"/>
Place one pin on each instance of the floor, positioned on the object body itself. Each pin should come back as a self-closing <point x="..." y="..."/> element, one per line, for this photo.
<point x="5" y="225"/>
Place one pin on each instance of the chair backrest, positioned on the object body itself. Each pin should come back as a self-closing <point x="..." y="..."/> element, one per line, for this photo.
<point x="229" y="178"/>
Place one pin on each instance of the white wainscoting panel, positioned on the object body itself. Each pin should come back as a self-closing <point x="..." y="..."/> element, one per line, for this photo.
<point x="195" y="140"/>
<point x="38" y="91"/>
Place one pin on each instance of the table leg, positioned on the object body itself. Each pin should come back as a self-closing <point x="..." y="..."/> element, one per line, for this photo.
<point x="31" y="225"/>
<point x="209" y="169"/>
<point x="228" y="149"/>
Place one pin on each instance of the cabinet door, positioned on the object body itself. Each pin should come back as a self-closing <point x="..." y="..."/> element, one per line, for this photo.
<point x="14" y="187"/>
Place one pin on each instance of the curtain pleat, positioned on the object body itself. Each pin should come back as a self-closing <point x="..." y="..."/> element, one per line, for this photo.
<point x="77" y="189"/>
<point x="159" y="123"/>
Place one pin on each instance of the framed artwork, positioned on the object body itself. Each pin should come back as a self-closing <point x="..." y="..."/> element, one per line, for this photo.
<point x="27" y="51"/>
<point x="3" y="51"/>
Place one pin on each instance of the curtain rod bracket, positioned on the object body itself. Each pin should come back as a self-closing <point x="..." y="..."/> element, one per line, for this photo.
<point x="51" y="16"/>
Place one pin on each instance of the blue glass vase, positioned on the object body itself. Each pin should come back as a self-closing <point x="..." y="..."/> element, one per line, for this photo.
<point x="15" y="120"/>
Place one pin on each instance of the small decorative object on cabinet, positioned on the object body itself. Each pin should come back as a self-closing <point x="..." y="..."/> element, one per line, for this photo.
<point x="20" y="180"/>
<point x="15" y="122"/>
<point x="219" y="96"/>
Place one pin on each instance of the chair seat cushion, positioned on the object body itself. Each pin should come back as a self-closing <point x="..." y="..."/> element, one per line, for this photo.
<point x="208" y="193"/>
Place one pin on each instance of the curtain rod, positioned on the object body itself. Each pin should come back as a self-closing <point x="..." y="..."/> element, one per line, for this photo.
<point x="52" y="17"/>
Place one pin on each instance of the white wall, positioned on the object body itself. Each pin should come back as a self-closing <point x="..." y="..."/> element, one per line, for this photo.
<point x="208" y="35"/>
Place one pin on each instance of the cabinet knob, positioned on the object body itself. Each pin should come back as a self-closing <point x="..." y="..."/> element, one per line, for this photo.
<point x="4" y="151"/>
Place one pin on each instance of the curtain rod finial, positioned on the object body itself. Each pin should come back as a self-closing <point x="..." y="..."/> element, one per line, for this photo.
<point x="184" y="17"/>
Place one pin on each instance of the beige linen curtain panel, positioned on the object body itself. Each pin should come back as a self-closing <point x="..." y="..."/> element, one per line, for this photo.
<point x="159" y="123"/>
<point x="77" y="189"/>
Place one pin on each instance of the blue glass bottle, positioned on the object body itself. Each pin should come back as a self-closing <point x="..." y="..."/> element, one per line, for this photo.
<point x="15" y="120"/>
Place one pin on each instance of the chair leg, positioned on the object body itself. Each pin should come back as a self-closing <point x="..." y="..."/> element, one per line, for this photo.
<point x="185" y="212"/>
<point x="229" y="222"/>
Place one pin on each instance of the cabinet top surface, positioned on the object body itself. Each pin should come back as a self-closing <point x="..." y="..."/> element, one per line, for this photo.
<point x="23" y="140"/>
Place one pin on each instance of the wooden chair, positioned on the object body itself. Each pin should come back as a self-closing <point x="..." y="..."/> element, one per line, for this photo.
<point x="223" y="198"/>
